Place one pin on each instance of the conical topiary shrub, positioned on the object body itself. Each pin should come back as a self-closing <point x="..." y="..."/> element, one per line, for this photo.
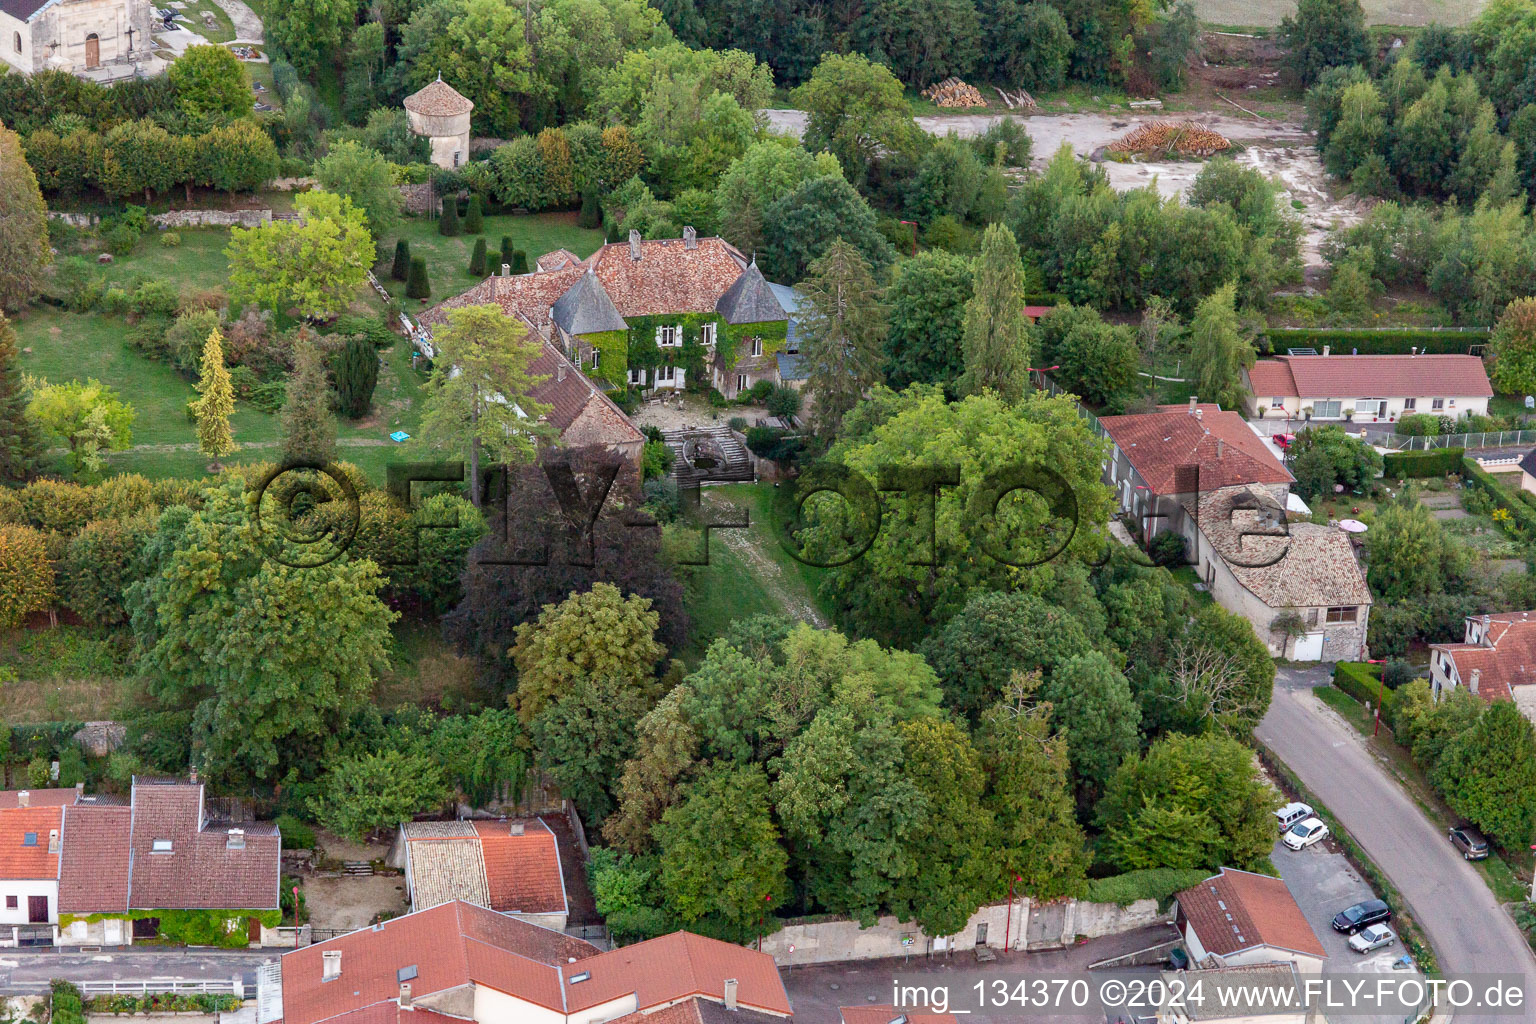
<point x="519" y="262"/>
<point x="591" y="212"/>
<point x="418" y="287"/>
<point x="507" y="249"/>
<point x="477" y="260"/>
<point x="448" y="224"/>
<point x="402" y="266"/>
<point x="474" y="222"/>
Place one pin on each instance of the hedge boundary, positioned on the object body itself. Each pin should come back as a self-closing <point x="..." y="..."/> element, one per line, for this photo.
<point x="1362" y="681"/>
<point x="1522" y="516"/>
<point x="1160" y="884"/>
<point x="1418" y="465"/>
<point x="1376" y="342"/>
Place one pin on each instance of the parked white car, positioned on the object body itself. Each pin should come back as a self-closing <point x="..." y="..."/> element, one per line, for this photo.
<point x="1304" y="833"/>
<point x="1374" y="937"/>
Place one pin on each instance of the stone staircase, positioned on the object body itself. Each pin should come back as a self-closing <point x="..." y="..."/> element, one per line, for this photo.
<point x="734" y="464"/>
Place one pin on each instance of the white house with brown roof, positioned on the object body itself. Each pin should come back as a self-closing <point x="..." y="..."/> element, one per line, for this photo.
<point x="1238" y="918"/>
<point x="1496" y="660"/>
<point x="509" y="866"/>
<point x="1368" y="389"/>
<point x="460" y="962"/>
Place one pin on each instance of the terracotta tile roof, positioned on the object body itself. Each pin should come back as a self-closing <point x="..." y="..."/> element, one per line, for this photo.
<point x="667" y="968"/>
<point x="24" y="842"/>
<point x="522" y="871"/>
<point x="1236" y="910"/>
<point x="700" y="1011"/>
<point x="38" y="797"/>
<point x="1163" y="444"/>
<point x="444" y="861"/>
<point x="555" y="259"/>
<point x="886" y="1014"/>
<point x="1370" y="376"/>
<point x="93" y="877"/>
<point x="668" y="277"/>
<point x="438" y="99"/>
<point x="200" y="870"/>
<point x="1509" y="662"/>
<point x="450" y="946"/>
<point x="577" y="408"/>
<point x="528" y="295"/>
<point x="1309" y="566"/>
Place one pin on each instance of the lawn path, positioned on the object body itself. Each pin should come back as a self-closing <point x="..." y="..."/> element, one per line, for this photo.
<point x="790" y="594"/>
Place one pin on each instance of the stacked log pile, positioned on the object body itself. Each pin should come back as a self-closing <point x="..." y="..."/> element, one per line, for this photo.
<point x="1186" y="138"/>
<point x="952" y="92"/>
<point x="1018" y="100"/>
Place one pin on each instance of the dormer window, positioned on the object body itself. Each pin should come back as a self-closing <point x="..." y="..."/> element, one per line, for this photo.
<point x="160" y="846"/>
<point x="29" y="839"/>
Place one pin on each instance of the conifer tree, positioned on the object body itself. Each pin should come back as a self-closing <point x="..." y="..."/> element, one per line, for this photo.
<point x="507" y="249"/>
<point x="402" y="265"/>
<point x="996" y="339"/>
<point x="214" y="437"/>
<point x="357" y="374"/>
<point x="591" y="215"/>
<point x="519" y="262"/>
<point x="474" y="220"/>
<point x="448" y="223"/>
<point x="20" y="444"/>
<point x="309" y="426"/>
<point x="417" y="287"/>
<point x="477" y="259"/>
<point x="843" y="325"/>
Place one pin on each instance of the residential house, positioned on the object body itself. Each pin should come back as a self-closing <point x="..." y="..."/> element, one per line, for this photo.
<point x="512" y="867"/>
<point x="1367" y="389"/>
<point x="1241" y="919"/>
<point x="31" y="823"/>
<point x="1258" y="566"/>
<point x="1528" y="471"/>
<point x="647" y="313"/>
<point x="99" y="38"/>
<point x="160" y="850"/>
<point x="460" y="962"/>
<point x="1496" y="660"/>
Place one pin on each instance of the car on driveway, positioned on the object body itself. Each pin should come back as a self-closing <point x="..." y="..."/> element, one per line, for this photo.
<point x="1304" y="833"/>
<point x="1361" y="915"/>
<point x="1372" y="937"/>
<point x="1291" y="813"/>
<point x="1469" y="841"/>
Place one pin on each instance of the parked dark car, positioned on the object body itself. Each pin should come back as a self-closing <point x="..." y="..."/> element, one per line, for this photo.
<point x="1352" y="919"/>
<point x="1470" y="842"/>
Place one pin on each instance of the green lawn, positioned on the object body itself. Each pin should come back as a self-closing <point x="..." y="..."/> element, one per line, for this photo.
<point x="448" y="258"/>
<point x="198" y="262"/>
<point x="194" y="12"/>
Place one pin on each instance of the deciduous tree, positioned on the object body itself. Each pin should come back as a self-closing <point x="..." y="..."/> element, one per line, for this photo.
<point x="1488" y="774"/>
<point x="377" y="789"/>
<point x="1091" y="704"/>
<point x="927" y="298"/>
<point x="24" y="249"/>
<point x="26" y="575"/>
<point x="211" y="81"/>
<point x="1219" y="353"/>
<point x="857" y="110"/>
<point x="314" y="264"/>
<point x="996" y="338"/>
<point x="364" y="177"/>
<point x="87" y="417"/>
<point x="1512" y="349"/>
<point x="1324" y="34"/>
<point x="802" y="224"/>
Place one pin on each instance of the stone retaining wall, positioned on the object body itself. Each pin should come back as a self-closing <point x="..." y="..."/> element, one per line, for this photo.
<point x="179" y="218"/>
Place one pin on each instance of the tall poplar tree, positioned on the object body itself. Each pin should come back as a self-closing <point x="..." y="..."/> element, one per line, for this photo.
<point x="20" y="444"/>
<point x="843" y="324"/>
<point x="309" y="426"/>
<point x="1219" y="353"/>
<point x="214" y="437"/>
<point x="996" y="338"/>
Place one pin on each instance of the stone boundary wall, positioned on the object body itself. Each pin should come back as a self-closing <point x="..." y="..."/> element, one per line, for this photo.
<point x="839" y="940"/>
<point x="180" y="218"/>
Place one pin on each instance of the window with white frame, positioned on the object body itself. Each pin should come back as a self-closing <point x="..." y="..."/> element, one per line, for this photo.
<point x="707" y="334"/>
<point x="666" y="373"/>
<point x="1410" y="404"/>
<point x="1328" y="410"/>
<point x="1277" y="402"/>
<point x="742" y="383"/>
<point x="1437" y="403"/>
<point x="669" y="337"/>
<point x="757" y="346"/>
<point x="637" y="376"/>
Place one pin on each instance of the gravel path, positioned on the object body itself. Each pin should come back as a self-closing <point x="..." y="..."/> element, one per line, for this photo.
<point x="248" y="28"/>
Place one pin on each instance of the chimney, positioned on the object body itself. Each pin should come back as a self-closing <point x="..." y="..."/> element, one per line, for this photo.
<point x="1325" y="349"/>
<point x="1193" y="402"/>
<point x="690" y="237"/>
<point x="1221" y="446"/>
<point x="192" y="776"/>
<point x="23" y="799"/>
<point x="1199" y="414"/>
<point x="1476" y="678"/>
<point x="330" y="968"/>
<point x="560" y="371"/>
<point x="515" y="828"/>
<point x="634" y="245"/>
<point x="79" y="790"/>
<point x="730" y="993"/>
<point x="506" y="270"/>
<point x="53" y="840"/>
<point x="405" y="995"/>
<point x="236" y="840"/>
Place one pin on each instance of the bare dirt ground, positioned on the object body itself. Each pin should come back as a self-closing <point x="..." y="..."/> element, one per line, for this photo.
<point x="351" y="903"/>
<point x="685" y="411"/>
<point x="1377" y="12"/>
<point x="1281" y="148"/>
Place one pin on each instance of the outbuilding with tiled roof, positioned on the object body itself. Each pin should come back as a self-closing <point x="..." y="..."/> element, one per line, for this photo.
<point x="1239" y="918"/>
<point x="1368" y="389"/>
<point x="511" y="866"/>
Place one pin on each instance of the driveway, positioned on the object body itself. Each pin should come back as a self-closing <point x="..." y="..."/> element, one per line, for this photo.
<point x="1468" y="929"/>
<point x="29" y="970"/>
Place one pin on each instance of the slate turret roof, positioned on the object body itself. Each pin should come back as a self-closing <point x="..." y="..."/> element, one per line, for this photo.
<point x="587" y="309"/>
<point x="750" y="300"/>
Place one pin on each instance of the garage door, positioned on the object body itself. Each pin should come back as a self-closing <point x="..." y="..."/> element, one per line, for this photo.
<point x="1308" y="648"/>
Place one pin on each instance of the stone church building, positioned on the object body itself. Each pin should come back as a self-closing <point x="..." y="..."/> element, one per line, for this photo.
<point x="77" y="36"/>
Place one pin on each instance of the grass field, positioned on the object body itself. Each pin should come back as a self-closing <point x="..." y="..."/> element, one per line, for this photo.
<point x="72" y="672"/>
<point x="448" y="258"/>
<point x="194" y="12"/>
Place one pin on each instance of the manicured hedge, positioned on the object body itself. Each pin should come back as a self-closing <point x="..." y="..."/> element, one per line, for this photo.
<point x="1373" y="342"/>
<point x="1362" y="681"/>
<point x="1414" y="465"/>
<point x="1522" y="516"/>
<point x="1148" y="884"/>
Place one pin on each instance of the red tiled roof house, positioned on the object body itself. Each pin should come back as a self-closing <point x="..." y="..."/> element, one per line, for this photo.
<point x="1203" y="473"/>
<point x="1371" y="389"/>
<point x="458" y="961"/>
<point x="1495" y="661"/>
<point x="509" y="866"/>
<point x="1237" y="919"/>
<point x="30" y="827"/>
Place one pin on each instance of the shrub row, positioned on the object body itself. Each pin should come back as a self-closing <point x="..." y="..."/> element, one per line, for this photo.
<point x="1375" y="342"/>
<point x="1159" y="884"/>
<point x="1522" y="517"/>
<point x="1416" y="465"/>
<point x="1362" y="681"/>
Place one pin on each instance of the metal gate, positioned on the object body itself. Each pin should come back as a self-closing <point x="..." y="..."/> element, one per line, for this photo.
<point x="1046" y="925"/>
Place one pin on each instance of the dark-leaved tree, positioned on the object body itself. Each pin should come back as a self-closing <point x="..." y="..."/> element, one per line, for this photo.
<point x="357" y="373"/>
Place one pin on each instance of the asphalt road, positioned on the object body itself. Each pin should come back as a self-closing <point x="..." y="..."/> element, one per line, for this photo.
<point x="1468" y="929"/>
